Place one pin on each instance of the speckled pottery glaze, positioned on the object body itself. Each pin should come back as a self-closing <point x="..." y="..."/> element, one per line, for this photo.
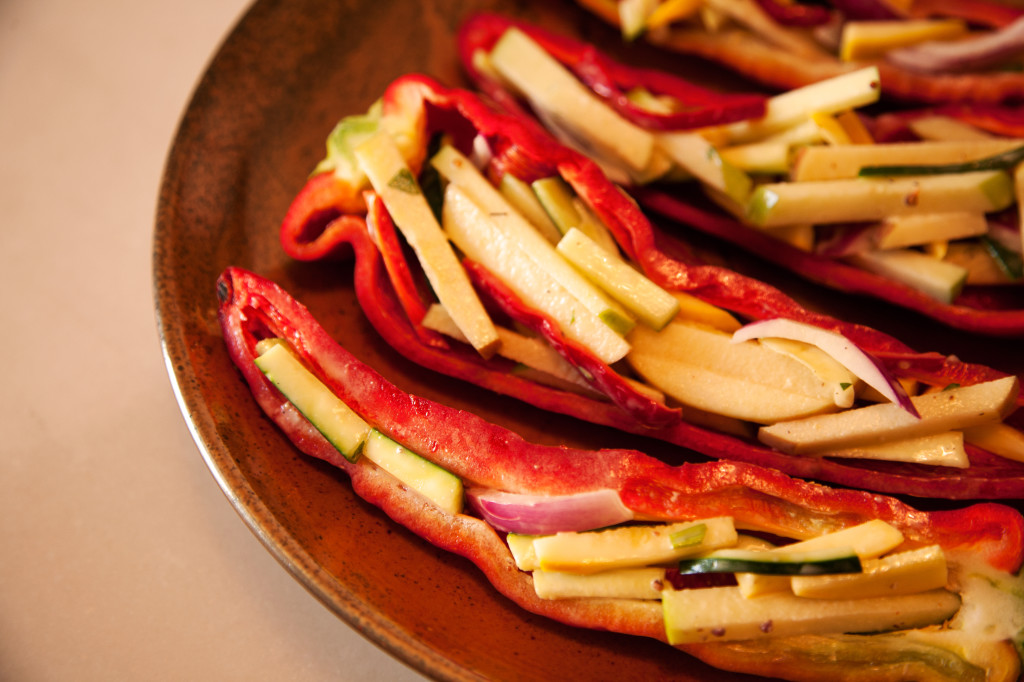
<point x="253" y="131"/>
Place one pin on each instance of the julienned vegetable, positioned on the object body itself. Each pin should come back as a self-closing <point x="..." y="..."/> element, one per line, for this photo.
<point x="1004" y="161"/>
<point x="797" y="210"/>
<point x="964" y="631"/>
<point x="916" y="65"/>
<point x="685" y="383"/>
<point x="863" y="366"/>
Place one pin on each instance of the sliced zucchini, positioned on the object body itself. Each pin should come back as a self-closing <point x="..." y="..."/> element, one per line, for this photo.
<point x="338" y="423"/>
<point x="437" y="484"/>
<point x="633" y="16"/>
<point x="871" y="39"/>
<point x="630" y="546"/>
<point x="1002" y="161"/>
<point x="956" y="408"/>
<point x="566" y="211"/>
<point x="500" y="214"/>
<point x="555" y="91"/>
<point x="846" y="91"/>
<point x="530" y="351"/>
<point x="999" y="439"/>
<point x="936" y="278"/>
<point x="940" y="128"/>
<point x="719" y="614"/>
<point x="481" y="239"/>
<point x="702" y="368"/>
<point x="623" y="583"/>
<point x="845" y="161"/>
<point x="940" y="449"/>
<point x="869" y="199"/>
<point x="652" y="305"/>
<point x="868" y="540"/>
<point x="699" y="157"/>
<point x="916" y="570"/>
<point x="896" y="232"/>
<point x="522" y="197"/>
<point x="521" y="547"/>
<point x="776" y="562"/>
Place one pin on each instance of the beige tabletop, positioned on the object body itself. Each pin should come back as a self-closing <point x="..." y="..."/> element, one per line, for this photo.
<point x="120" y="558"/>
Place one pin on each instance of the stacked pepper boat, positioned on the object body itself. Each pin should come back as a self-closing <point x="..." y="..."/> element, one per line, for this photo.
<point x="487" y="251"/>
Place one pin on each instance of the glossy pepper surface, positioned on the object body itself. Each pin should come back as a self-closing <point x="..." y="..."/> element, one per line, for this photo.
<point x="395" y="305"/>
<point x="993" y="310"/>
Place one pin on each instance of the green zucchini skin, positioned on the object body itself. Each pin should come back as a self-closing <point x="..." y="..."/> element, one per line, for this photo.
<point x="1004" y="161"/>
<point x="772" y="563"/>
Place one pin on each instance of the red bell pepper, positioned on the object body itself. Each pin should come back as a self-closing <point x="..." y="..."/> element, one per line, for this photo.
<point x="977" y="309"/>
<point x="520" y="147"/>
<point x="611" y="80"/>
<point x="997" y="311"/>
<point x="482" y="454"/>
<point x="771" y="64"/>
<point x="796" y="13"/>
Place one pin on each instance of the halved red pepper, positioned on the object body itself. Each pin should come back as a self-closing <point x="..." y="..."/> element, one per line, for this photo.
<point x="611" y="80"/>
<point x="977" y="310"/>
<point x="482" y="454"/>
<point x="996" y="311"/>
<point x="520" y="147"/>
<point x="253" y="308"/>
<point x="770" y="64"/>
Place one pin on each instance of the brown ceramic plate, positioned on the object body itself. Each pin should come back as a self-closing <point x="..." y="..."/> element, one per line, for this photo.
<point x="254" y="129"/>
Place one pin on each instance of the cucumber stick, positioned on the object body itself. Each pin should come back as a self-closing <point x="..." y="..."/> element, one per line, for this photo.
<point x="776" y="562"/>
<point x="437" y="484"/>
<point x="553" y="89"/>
<point x="650" y="303"/>
<point x="939" y="279"/>
<point x="846" y="91"/>
<point x="835" y="162"/>
<point x="351" y="434"/>
<point x="624" y="583"/>
<point x="477" y="236"/>
<point x="1003" y="161"/>
<point x="630" y="546"/>
<point x="459" y="171"/>
<point x="345" y="429"/>
<point x="871" y="199"/>
<point x="722" y="614"/>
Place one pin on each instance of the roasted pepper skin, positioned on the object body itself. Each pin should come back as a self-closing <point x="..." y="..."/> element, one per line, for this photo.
<point x="994" y="311"/>
<point x="253" y="308"/>
<point x="609" y="79"/>
<point x="519" y="146"/>
<point x="777" y="69"/>
<point x="978" y="309"/>
<point x="484" y="454"/>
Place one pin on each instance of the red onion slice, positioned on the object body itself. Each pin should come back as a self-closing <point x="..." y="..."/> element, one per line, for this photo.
<point x="546" y="514"/>
<point x="864" y="366"/>
<point x="969" y="54"/>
